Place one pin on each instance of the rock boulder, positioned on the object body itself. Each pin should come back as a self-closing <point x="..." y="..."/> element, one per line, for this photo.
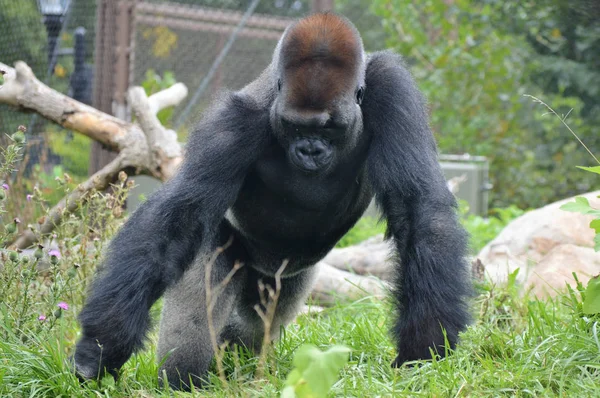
<point x="546" y="245"/>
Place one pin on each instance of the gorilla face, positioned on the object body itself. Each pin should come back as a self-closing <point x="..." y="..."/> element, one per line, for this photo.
<point x="315" y="138"/>
<point x="319" y="86"/>
<point x="319" y="128"/>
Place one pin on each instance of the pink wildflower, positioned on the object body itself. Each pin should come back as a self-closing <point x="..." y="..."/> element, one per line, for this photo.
<point x="28" y="197"/>
<point x="54" y="252"/>
<point x="42" y="318"/>
<point x="62" y="305"/>
<point x="5" y="186"/>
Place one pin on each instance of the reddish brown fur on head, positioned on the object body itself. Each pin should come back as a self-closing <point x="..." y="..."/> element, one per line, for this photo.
<point x="320" y="60"/>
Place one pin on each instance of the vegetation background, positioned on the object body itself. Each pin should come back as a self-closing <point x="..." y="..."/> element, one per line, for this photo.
<point x="474" y="60"/>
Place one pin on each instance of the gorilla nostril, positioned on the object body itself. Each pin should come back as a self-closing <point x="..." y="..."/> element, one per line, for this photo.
<point x="310" y="154"/>
<point x="308" y="149"/>
<point x="303" y="151"/>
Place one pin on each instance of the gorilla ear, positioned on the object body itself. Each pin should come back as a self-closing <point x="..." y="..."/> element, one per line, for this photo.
<point x="360" y="94"/>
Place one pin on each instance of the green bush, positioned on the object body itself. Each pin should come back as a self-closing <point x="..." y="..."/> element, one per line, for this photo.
<point x="474" y="76"/>
<point x="483" y="230"/>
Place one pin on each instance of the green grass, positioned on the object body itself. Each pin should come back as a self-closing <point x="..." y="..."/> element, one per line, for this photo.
<point x="365" y="228"/>
<point x="516" y="347"/>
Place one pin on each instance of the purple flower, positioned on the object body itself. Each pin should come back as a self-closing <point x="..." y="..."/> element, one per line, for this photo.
<point x="42" y="318"/>
<point x="5" y="186"/>
<point x="54" y="252"/>
<point x="62" y="305"/>
<point x="28" y="197"/>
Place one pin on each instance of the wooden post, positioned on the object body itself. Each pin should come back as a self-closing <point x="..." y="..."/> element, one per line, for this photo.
<point x="112" y="67"/>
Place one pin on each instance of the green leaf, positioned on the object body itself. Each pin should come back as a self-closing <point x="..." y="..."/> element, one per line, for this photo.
<point x="595" y="225"/>
<point x="512" y="278"/>
<point x="591" y="305"/>
<point x="315" y="371"/>
<point x="597" y="242"/>
<point x="594" y="169"/>
<point x="581" y="205"/>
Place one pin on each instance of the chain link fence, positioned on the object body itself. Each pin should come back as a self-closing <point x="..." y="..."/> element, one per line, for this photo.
<point x="48" y="44"/>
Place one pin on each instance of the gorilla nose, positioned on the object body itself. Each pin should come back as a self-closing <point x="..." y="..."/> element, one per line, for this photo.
<point x="310" y="154"/>
<point x="311" y="148"/>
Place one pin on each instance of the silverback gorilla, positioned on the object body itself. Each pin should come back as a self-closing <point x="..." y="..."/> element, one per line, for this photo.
<point x="285" y="166"/>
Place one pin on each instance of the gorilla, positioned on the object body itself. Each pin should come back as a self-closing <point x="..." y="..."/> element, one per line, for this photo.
<point x="281" y="170"/>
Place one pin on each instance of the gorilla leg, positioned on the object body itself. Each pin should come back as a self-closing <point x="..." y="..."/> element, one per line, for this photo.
<point x="245" y="327"/>
<point x="184" y="329"/>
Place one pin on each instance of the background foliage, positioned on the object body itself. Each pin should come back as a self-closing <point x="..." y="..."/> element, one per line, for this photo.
<point x="474" y="60"/>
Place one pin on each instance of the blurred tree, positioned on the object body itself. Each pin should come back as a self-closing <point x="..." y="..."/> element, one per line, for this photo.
<point x="369" y="24"/>
<point x="474" y="75"/>
<point x="566" y="37"/>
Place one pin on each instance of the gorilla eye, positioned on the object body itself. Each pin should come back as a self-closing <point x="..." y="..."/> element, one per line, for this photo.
<point x="278" y="84"/>
<point x="360" y="93"/>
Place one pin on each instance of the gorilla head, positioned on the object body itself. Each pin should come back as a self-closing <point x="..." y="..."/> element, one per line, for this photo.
<point x="319" y="84"/>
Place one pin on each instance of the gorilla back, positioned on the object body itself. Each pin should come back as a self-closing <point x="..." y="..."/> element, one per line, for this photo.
<point x="282" y="169"/>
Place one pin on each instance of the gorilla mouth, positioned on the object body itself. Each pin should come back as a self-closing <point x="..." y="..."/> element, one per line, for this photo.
<point x="310" y="154"/>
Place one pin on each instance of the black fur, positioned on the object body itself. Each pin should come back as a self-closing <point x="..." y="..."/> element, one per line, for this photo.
<point x="433" y="282"/>
<point x="281" y="206"/>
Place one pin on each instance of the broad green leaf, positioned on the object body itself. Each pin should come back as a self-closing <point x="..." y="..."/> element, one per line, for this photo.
<point x="315" y="371"/>
<point x="581" y="205"/>
<point x="594" y="169"/>
<point x="595" y="225"/>
<point x="591" y="305"/>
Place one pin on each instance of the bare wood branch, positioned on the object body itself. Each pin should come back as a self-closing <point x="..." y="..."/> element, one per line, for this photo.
<point x="160" y="159"/>
<point x="162" y="143"/>
<point x="22" y="89"/>
<point x="147" y="147"/>
<point x="171" y="96"/>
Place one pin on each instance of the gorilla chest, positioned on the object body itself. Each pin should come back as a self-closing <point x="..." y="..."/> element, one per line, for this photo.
<point x="280" y="208"/>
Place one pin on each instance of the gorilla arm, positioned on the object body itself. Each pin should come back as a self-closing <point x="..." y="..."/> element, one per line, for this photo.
<point x="433" y="283"/>
<point x="164" y="235"/>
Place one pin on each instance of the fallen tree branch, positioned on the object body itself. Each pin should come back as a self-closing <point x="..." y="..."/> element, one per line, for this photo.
<point x="162" y="143"/>
<point x="23" y="90"/>
<point x="166" y="98"/>
<point x="145" y="147"/>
